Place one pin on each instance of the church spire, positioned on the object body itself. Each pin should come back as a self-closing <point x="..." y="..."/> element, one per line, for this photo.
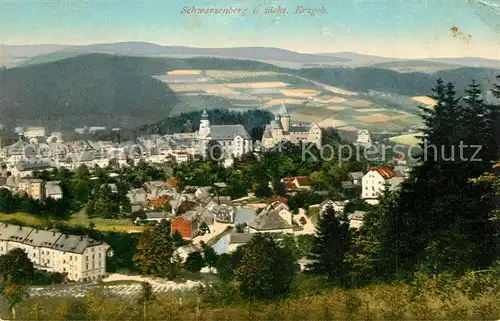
<point x="283" y="110"/>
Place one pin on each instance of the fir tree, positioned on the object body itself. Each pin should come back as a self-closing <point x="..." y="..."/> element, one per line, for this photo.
<point x="330" y="247"/>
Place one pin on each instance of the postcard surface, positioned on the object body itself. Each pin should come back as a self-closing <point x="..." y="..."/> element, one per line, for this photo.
<point x="249" y="159"/>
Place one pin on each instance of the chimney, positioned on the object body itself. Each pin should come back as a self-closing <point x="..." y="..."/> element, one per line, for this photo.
<point x="20" y="227"/>
<point x="53" y="233"/>
<point x="81" y="238"/>
<point x="36" y="231"/>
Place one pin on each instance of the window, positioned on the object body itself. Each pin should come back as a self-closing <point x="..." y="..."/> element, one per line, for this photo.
<point x="87" y="258"/>
<point x="87" y="266"/>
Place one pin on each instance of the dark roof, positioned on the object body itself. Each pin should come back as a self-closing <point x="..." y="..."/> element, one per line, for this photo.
<point x="239" y="238"/>
<point x="269" y="220"/>
<point x="28" y="166"/>
<point x="228" y="131"/>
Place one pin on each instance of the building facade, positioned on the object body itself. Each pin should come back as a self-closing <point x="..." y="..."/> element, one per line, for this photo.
<point x="78" y="257"/>
<point x="35" y="132"/>
<point x="281" y="129"/>
<point x="233" y="139"/>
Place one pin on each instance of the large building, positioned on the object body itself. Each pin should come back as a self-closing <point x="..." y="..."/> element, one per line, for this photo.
<point x="234" y="139"/>
<point x="35" y="132"/>
<point x="79" y="257"/>
<point x="375" y="180"/>
<point x="281" y="129"/>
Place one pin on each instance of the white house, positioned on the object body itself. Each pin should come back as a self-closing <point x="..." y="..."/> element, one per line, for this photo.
<point x="79" y="257"/>
<point x="356" y="219"/>
<point x="375" y="180"/>
<point x="338" y="206"/>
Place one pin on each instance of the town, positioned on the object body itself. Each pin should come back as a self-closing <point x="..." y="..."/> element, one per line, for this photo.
<point x="200" y="214"/>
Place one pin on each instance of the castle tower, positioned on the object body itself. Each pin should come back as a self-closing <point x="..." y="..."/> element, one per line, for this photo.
<point x="284" y="117"/>
<point x="204" y="129"/>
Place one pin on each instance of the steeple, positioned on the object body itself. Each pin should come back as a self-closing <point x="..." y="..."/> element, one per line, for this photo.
<point x="285" y="118"/>
<point x="283" y="110"/>
<point x="204" y="129"/>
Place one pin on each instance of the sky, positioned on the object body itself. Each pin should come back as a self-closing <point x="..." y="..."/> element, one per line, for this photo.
<point x="391" y="28"/>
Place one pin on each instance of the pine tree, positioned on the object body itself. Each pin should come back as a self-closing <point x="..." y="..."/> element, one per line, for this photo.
<point x="438" y="202"/>
<point x="266" y="270"/>
<point x="331" y="245"/>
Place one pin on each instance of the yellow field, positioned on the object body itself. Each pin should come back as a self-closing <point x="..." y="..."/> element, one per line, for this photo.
<point x="359" y="103"/>
<point x="291" y="101"/>
<point x="408" y="139"/>
<point x="218" y="89"/>
<point x="26" y="218"/>
<point x="340" y="91"/>
<point x="331" y="122"/>
<point x="270" y="84"/>
<point x="333" y="107"/>
<point x="424" y="100"/>
<point x="299" y="92"/>
<point x="118" y="228"/>
<point x="369" y="110"/>
<point x="330" y="99"/>
<point x="184" y="72"/>
<point x="237" y="73"/>
<point x="375" y="118"/>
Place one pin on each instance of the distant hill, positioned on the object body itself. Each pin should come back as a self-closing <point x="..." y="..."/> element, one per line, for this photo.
<point x="94" y="90"/>
<point x="365" y="79"/>
<point x="119" y="91"/>
<point x="31" y="54"/>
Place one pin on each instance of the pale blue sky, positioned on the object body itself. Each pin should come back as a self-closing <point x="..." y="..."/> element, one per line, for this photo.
<point x="397" y="28"/>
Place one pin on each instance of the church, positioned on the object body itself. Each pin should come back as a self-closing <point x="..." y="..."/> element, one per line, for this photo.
<point x="234" y="139"/>
<point x="280" y="129"/>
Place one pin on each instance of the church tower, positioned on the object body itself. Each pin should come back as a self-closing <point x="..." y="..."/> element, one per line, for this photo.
<point x="204" y="129"/>
<point x="284" y="117"/>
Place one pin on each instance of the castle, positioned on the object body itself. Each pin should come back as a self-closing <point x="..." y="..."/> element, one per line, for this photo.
<point x="281" y="129"/>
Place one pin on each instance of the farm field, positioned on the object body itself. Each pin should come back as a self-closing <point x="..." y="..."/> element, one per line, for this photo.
<point x="408" y="139"/>
<point x="308" y="101"/>
<point x="118" y="225"/>
<point x="428" y="101"/>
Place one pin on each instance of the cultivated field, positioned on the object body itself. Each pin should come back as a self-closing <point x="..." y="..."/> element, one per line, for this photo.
<point x="184" y="72"/>
<point x="299" y="92"/>
<point x="408" y="139"/>
<point x="308" y="101"/>
<point x="270" y="84"/>
<point x="424" y="100"/>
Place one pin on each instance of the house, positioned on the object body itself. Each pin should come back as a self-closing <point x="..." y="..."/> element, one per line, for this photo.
<point x="79" y="257"/>
<point x="184" y="251"/>
<point x="137" y="196"/>
<point x="274" y="218"/>
<point x="33" y="187"/>
<point x="375" y="180"/>
<point x="238" y="239"/>
<point x="189" y="223"/>
<point x="304" y="264"/>
<point x="158" y="202"/>
<point x="338" y="206"/>
<point x="356" y="177"/>
<point x="113" y="188"/>
<point x="356" y="219"/>
<point x="53" y="190"/>
<point x="25" y="169"/>
<point x="299" y="182"/>
<point x="153" y="217"/>
<point x="172" y="182"/>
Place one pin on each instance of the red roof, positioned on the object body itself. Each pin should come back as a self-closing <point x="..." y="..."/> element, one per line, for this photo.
<point x="303" y="180"/>
<point x="173" y="181"/>
<point x="385" y="171"/>
<point x="281" y="199"/>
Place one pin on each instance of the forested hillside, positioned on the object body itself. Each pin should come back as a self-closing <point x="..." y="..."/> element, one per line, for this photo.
<point x="118" y="91"/>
